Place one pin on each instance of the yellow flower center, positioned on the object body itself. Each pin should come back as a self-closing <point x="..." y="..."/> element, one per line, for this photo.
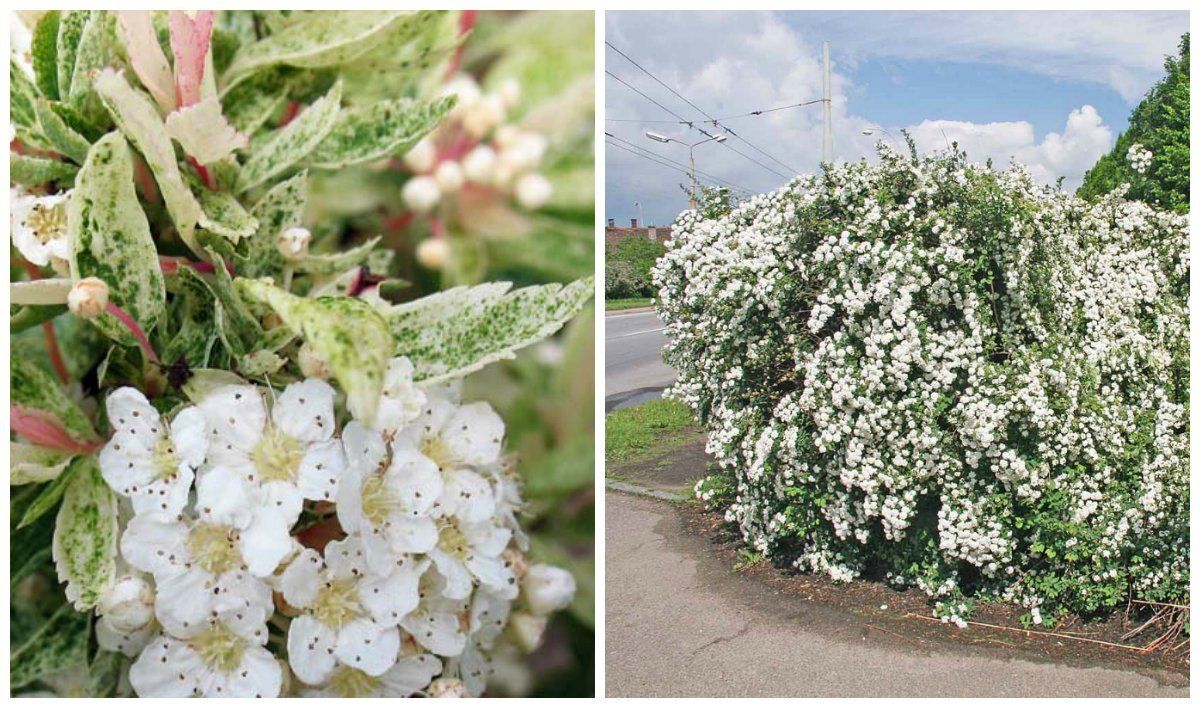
<point x="451" y="540"/>
<point x="220" y="649"/>
<point x="349" y="682"/>
<point x="165" y="461"/>
<point x="378" y="501"/>
<point x="277" y="456"/>
<point x="214" y="547"/>
<point x="47" y="223"/>
<point x="336" y="603"/>
<point x="432" y="447"/>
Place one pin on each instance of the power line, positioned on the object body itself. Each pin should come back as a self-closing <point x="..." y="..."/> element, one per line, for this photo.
<point x="680" y="165"/>
<point x="712" y="120"/>
<point x="684" y="171"/>
<point x="769" y="110"/>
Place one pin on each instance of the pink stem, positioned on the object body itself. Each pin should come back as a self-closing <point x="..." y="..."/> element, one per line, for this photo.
<point x="133" y="327"/>
<point x="465" y="22"/>
<point x="170" y="265"/>
<point x="56" y="360"/>
<point x="39" y="429"/>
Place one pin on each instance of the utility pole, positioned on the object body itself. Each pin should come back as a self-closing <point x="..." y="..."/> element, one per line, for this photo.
<point x="692" y="162"/>
<point x="641" y="219"/>
<point x="827" y="137"/>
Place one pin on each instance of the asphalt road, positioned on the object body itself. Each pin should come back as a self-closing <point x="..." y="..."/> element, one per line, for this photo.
<point x="680" y="623"/>
<point x="633" y="366"/>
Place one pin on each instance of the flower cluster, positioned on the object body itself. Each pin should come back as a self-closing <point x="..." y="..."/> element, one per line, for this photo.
<point x="972" y="383"/>
<point x="269" y="551"/>
<point x="1139" y="158"/>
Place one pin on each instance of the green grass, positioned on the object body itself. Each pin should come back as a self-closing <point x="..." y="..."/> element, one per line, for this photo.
<point x="627" y="303"/>
<point x="646" y="428"/>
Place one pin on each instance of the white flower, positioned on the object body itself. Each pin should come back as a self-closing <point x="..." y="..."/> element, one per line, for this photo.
<point x="128" y="643"/>
<point x="448" y="688"/>
<point x="420" y="157"/>
<point x="421" y="193"/>
<point x="409" y="675"/>
<point x="223" y="655"/>
<point x="148" y="460"/>
<point x="400" y="401"/>
<point x="386" y="497"/>
<point x="479" y="165"/>
<point x="337" y="627"/>
<point x="466" y="552"/>
<point x="547" y="588"/>
<point x="449" y="176"/>
<point x="435" y="624"/>
<point x="510" y="92"/>
<point x="39" y="226"/>
<point x="289" y="455"/>
<point x="533" y="191"/>
<point x="433" y="252"/>
<point x="212" y="562"/>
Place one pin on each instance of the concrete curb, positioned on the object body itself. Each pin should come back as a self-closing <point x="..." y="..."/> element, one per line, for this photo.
<point x="628" y="488"/>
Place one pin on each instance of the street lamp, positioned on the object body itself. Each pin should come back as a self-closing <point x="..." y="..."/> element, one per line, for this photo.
<point x="720" y="138"/>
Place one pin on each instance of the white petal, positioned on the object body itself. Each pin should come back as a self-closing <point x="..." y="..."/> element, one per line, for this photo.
<point x="377" y="549"/>
<point x="390" y="598"/>
<point x="365" y="448"/>
<point x="235" y="415"/>
<point x="489" y="614"/>
<point x="167" y="668"/>
<point x="368" y="646"/>
<point x="468" y="496"/>
<point x="409" y="535"/>
<point x="265" y="542"/>
<point x="323" y="465"/>
<point x="411" y="674"/>
<point x="224" y="497"/>
<point x="184" y="602"/>
<point x="243" y="604"/>
<point x="258" y="676"/>
<point x="474" y="434"/>
<point x="283" y="498"/>
<point x="305" y="410"/>
<point x="165" y="496"/>
<point x="349" y="501"/>
<point x="126" y="468"/>
<point x="155" y="543"/>
<point x="189" y="432"/>
<point x="310" y="649"/>
<point x="475" y="670"/>
<point x="439" y="632"/>
<point x="346" y="558"/>
<point x="132" y="418"/>
<point x="128" y="643"/>
<point x="301" y="580"/>
<point x="494" y="574"/>
<point x="455" y="573"/>
<point x="415" y="479"/>
<point x="486" y="539"/>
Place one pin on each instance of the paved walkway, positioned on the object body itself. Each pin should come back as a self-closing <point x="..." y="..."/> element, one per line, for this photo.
<point x="681" y="623"/>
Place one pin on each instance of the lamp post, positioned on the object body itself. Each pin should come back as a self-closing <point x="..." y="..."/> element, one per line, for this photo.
<point x="641" y="219"/>
<point x="691" y="155"/>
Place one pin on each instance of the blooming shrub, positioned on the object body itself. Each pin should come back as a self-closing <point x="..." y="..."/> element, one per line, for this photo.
<point x="945" y="375"/>
<point x="240" y="445"/>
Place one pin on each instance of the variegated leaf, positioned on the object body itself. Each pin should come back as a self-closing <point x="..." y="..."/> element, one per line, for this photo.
<point x="110" y="239"/>
<point x="146" y="56"/>
<point x="33" y="388"/>
<point x="138" y="119"/>
<point x="70" y="31"/>
<point x="44" y="54"/>
<point x="29" y="464"/>
<point x="203" y="132"/>
<point x="59" y="644"/>
<point x="281" y="207"/>
<point x="94" y="51"/>
<point x="85" y="535"/>
<point x="293" y="143"/>
<point x="456" y="332"/>
<point x="222" y="214"/>
<point x="62" y="138"/>
<point x="349" y="334"/>
<point x="33" y="171"/>
<point x="253" y="101"/>
<point x="380" y="130"/>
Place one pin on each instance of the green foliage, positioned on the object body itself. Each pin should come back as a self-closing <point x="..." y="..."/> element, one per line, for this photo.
<point x="85" y="535"/>
<point x="627" y="267"/>
<point x="1161" y="123"/>
<point x="654" y="426"/>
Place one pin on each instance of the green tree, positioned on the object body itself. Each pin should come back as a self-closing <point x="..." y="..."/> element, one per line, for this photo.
<point x="1160" y="123"/>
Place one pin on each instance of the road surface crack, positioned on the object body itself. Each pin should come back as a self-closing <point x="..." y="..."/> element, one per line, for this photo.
<point x="720" y="640"/>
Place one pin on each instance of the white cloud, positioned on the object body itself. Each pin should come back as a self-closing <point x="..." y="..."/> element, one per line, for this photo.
<point x="1067" y="154"/>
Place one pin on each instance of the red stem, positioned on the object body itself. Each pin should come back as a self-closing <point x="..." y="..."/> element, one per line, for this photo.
<point x="56" y="360"/>
<point x="203" y="172"/>
<point x="171" y="264"/>
<point x="290" y="114"/>
<point x="133" y="327"/>
<point x="465" y="22"/>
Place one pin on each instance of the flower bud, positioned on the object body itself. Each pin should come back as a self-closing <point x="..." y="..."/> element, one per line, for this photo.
<point x="128" y="604"/>
<point x="466" y="89"/>
<point x="448" y="688"/>
<point x="432" y="253"/>
<point x="421" y="193"/>
<point x="293" y="242"/>
<point x="88" y="298"/>
<point x="527" y="630"/>
<point x="479" y="164"/>
<point x="547" y="588"/>
<point x="311" y="363"/>
<point x="533" y="191"/>
<point x="449" y="176"/>
<point x="525" y="152"/>
<point x="506" y="136"/>
<point x="510" y="92"/>
<point x="420" y="157"/>
<point x="485" y="114"/>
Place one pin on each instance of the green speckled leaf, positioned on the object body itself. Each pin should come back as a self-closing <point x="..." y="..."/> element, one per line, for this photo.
<point x="48" y="496"/>
<point x="96" y="48"/>
<point x="33" y="388"/>
<point x="31" y="464"/>
<point x="331" y="263"/>
<point x="380" y="130"/>
<point x="137" y="117"/>
<point x="293" y="143"/>
<point x="22" y="95"/>
<point x="411" y="55"/>
<point x="251" y="102"/>
<point x="192" y="312"/>
<point x="346" y="332"/>
<point x="281" y="207"/>
<point x="33" y="171"/>
<point x="70" y="32"/>
<point x="85" y="536"/>
<point x="222" y="214"/>
<point x="61" y="643"/>
<point x="453" y="333"/>
<point x="44" y="54"/>
<point x="317" y="40"/>
<point x="62" y="138"/>
<point x="110" y="239"/>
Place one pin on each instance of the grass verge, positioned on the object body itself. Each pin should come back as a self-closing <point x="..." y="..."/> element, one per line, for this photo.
<point x="626" y="303"/>
<point x="646" y="428"/>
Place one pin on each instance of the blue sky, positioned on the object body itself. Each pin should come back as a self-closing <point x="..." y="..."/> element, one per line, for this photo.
<point x="1051" y="90"/>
